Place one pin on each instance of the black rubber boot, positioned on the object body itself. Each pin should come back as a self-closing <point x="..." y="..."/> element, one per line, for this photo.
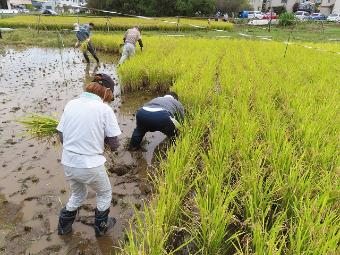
<point x="102" y="223"/>
<point x="66" y="219"/>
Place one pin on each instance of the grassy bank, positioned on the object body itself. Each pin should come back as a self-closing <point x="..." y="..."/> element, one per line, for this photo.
<point x="112" y="23"/>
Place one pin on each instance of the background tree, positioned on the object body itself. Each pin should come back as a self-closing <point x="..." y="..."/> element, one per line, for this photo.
<point x="3" y="4"/>
<point x="231" y="6"/>
<point x="157" y="7"/>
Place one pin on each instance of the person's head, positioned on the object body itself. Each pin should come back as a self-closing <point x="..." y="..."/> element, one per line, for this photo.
<point x="173" y="94"/>
<point x="138" y="28"/>
<point x="91" y="25"/>
<point x="99" y="90"/>
<point x="103" y="86"/>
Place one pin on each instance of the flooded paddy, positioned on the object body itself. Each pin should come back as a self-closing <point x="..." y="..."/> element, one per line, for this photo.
<point x="32" y="184"/>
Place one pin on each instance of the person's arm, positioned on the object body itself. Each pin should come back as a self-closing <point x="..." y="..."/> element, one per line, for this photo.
<point x="60" y="127"/>
<point x="111" y="130"/>
<point x="140" y="44"/>
<point x="60" y="134"/>
<point x="124" y="38"/>
<point x="112" y="142"/>
<point x="180" y="110"/>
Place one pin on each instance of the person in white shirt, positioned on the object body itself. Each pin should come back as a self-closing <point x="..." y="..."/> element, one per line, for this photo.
<point x="86" y="124"/>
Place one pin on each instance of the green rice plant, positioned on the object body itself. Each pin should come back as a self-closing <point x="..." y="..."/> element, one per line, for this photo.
<point x="40" y="126"/>
<point x="268" y="156"/>
<point x="173" y="181"/>
<point x="113" y="23"/>
<point x="107" y="43"/>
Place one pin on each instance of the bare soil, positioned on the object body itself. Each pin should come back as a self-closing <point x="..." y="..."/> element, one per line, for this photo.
<point x="32" y="184"/>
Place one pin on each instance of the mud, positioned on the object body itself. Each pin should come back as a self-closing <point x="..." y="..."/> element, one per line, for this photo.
<point x="33" y="187"/>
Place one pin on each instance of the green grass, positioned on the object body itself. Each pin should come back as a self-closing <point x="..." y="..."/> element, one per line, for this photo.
<point x="264" y="176"/>
<point x="113" y="23"/>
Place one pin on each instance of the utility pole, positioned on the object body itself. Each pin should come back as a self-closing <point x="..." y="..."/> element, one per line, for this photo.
<point x="271" y="14"/>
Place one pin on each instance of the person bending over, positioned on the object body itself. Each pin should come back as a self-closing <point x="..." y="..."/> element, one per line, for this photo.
<point x="130" y="39"/>
<point x="160" y="114"/>
<point x="83" y="34"/>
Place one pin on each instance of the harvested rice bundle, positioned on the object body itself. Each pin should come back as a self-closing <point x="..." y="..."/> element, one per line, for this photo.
<point x="40" y="126"/>
<point x="83" y="46"/>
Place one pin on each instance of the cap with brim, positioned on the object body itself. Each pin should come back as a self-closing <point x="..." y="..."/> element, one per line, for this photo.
<point x="105" y="80"/>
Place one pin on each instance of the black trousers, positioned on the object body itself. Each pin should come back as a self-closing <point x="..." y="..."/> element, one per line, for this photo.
<point x="92" y="51"/>
<point x="151" y="122"/>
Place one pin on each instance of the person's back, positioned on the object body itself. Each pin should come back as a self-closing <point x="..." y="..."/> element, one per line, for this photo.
<point x="83" y="122"/>
<point x="132" y="36"/>
<point x="83" y="32"/>
<point x="162" y="114"/>
<point x="168" y="103"/>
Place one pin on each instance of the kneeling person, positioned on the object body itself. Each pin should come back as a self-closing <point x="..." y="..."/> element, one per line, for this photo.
<point x="160" y="114"/>
<point x="86" y="124"/>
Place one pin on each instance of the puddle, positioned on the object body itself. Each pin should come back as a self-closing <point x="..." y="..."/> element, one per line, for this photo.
<point x="42" y="81"/>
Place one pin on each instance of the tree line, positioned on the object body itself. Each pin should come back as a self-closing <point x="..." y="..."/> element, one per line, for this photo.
<point x="171" y="7"/>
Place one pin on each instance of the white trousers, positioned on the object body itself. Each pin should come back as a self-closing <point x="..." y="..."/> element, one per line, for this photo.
<point x="128" y="51"/>
<point x="96" y="178"/>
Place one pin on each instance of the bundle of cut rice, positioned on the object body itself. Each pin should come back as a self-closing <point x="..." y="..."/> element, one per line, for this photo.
<point x="40" y="126"/>
<point x="83" y="46"/>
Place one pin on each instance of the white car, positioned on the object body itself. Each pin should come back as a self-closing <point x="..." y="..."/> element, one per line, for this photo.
<point x="255" y="15"/>
<point x="302" y="15"/>
<point x="6" y="11"/>
<point x="334" y="17"/>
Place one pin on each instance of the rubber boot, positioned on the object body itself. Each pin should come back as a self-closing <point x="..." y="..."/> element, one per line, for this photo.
<point x="102" y="223"/>
<point x="66" y="219"/>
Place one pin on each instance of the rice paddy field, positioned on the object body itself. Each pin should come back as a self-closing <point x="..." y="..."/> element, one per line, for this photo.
<point x="113" y="23"/>
<point x="256" y="168"/>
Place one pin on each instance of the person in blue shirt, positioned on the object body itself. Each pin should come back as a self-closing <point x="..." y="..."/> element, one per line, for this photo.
<point x="83" y="35"/>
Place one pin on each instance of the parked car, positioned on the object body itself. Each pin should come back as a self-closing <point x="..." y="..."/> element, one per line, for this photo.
<point x="302" y="15"/>
<point x="49" y="12"/>
<point x="23" y="11"/>
<point x="255" y="15"/>
<point x="335" y="17"/>
<point x="243" y="15"/>
<point x="11" y="11"/>
<point x="268" y="14"/>
<point x="317" y="16"/>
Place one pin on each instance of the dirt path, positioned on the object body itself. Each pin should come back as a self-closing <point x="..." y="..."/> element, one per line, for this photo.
<point x="33" y="188"/>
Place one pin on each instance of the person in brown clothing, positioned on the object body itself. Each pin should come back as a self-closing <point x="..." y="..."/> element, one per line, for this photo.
<point x="130" y="39"/>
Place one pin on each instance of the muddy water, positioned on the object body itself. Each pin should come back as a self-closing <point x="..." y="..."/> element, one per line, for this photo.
<point x="32" y="184"/>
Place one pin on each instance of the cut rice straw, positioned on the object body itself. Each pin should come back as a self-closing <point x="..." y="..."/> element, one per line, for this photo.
<point x="40" y="126"/>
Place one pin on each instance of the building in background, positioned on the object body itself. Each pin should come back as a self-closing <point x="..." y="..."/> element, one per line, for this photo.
<point x="256" y="4"/>
<point x="286" y="4"/>
<point x="58" y="4"/>
<point x="294" y="5"/>
<point x="336" y="8"/>
<point x="330" y="6"/>
<point x="15" y="3"/>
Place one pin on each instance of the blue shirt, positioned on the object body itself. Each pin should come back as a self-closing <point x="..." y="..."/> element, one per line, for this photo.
<point x="83" y="33"/>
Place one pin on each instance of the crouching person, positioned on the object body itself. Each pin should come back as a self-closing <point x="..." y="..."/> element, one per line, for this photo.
<point x="162" y="114"/>
<point x="86" y="124"/>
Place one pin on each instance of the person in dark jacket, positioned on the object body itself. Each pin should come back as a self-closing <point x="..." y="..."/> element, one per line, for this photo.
<point x="160" y="114"/>
<point x="83" y="34"/>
